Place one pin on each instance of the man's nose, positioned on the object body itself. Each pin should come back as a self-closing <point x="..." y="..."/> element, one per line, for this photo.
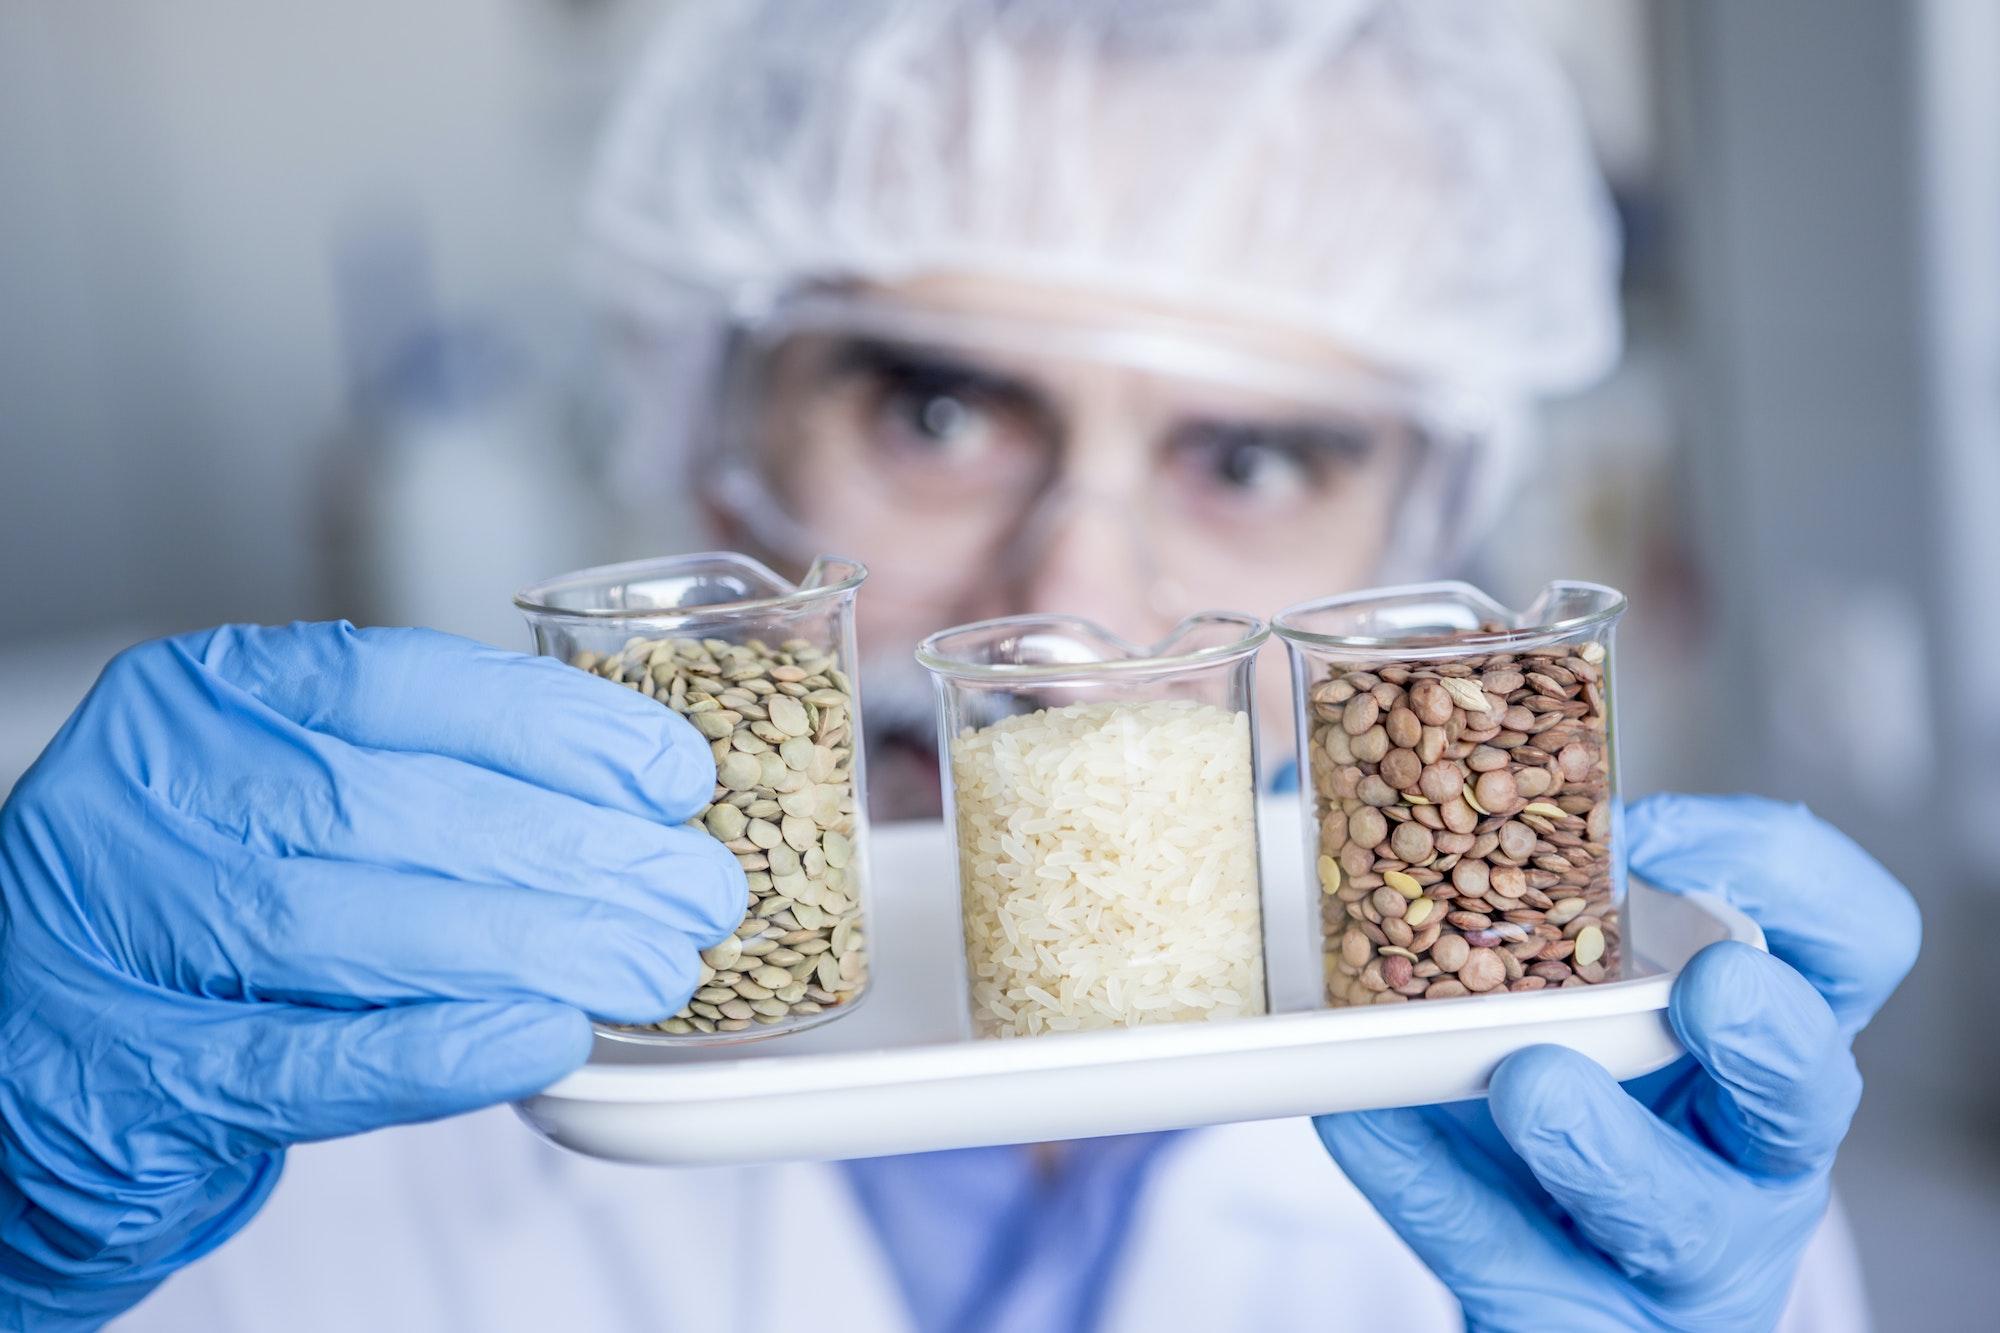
<point x="1086" y="558"/>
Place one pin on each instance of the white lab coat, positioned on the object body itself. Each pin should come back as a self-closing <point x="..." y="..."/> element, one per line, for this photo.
<point x="475" y="1226"/>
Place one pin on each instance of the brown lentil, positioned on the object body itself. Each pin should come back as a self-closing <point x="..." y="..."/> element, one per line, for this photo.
<point x="1464" y="814"/>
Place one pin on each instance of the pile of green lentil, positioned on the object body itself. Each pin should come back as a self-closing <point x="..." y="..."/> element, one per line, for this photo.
<point x="780" y="722"/>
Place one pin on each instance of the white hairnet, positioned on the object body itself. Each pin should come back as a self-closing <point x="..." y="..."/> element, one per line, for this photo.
<point x="1410" y="179"/>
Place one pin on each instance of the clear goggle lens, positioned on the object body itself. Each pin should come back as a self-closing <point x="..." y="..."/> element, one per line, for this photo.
<point x="940" y="448"/>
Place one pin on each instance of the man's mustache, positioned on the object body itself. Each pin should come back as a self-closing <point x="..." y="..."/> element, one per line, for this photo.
<point x="897" y="699"/>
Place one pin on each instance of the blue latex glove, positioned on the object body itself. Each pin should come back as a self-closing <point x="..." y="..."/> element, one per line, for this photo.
<point x="1684" y="1200"/>
<point x="273" y="885"/>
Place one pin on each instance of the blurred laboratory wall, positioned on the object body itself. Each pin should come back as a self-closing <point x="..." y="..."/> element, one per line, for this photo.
<point x="269" y="275"/>
<point x="1796" y="472"/>
<point x="1834" y="167"/>
<point x="287" y="329"/>
<point x="211" y="209"/>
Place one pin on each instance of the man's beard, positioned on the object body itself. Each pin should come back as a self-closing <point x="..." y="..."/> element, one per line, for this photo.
<point x="899" y="722"/>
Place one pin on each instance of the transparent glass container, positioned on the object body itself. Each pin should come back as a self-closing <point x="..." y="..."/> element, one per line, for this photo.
<point x="759" y="666"/>
<point x="1459" y="773"/>
<point x="1104" y="821"/>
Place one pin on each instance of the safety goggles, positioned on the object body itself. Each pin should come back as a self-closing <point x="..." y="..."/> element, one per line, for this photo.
<point x="943" y="447"/>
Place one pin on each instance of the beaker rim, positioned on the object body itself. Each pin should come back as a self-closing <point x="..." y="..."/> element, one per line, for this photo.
<point x="1141" y="659"/>
<point x="841" y="575"/>
<point x="1607" y="604"/>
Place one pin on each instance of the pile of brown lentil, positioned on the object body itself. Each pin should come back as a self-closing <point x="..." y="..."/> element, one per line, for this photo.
<point x="780" y="723"/>
<point x="1465" y="820"/>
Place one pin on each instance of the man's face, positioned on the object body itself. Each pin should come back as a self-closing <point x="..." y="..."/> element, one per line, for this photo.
<point x="981" y="470"/>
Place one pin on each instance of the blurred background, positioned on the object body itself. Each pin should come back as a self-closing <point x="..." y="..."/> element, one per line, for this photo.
<point x="289" y="328"/>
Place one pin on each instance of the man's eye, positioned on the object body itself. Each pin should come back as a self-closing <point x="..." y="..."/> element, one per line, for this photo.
<point x="937" y="417"/>
<point x="1247" y="461"/>
<point x="1255" y="465"/>
<point x="958" y="433"/>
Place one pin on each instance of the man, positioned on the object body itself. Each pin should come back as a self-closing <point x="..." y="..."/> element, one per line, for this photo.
<point x="1113" y="309"/>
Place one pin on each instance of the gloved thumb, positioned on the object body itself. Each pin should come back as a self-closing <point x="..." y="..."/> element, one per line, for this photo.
<point x="1826" y="906"/>
<point x="1782" y="1083"/>
<point x="298" y="1074"/>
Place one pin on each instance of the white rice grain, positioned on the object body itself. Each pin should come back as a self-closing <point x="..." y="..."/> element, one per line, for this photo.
<point x="1109" y="867"/>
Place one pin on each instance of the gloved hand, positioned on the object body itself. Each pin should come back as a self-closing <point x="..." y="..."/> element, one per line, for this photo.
<point x="1684" y="1200"/>
<point x="273" y="885"/>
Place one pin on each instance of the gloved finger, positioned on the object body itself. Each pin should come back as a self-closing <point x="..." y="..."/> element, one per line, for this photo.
<point x="475" y="825"/>
<point x="1782" y="1083"/>
<point x="334" y="935"/>
<point x="418" y="691"/>
<point x="308" y="796"/>
<point x="1448" y="1201"/>
<point x="1640" y="1192"/>
<point x="256" y="1080"/>
<point x="1827" y="907"/>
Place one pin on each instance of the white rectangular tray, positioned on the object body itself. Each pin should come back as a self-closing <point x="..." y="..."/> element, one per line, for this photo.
<point x="901" y="1074"/>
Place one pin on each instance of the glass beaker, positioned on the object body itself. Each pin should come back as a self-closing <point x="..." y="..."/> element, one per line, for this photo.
<point x="1458" y="768"/>
<point x="760" y="666"/>
<point x="1104" y="820"/>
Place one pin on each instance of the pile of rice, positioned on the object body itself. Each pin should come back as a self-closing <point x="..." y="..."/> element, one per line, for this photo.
<point x="1108" y="859"/>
